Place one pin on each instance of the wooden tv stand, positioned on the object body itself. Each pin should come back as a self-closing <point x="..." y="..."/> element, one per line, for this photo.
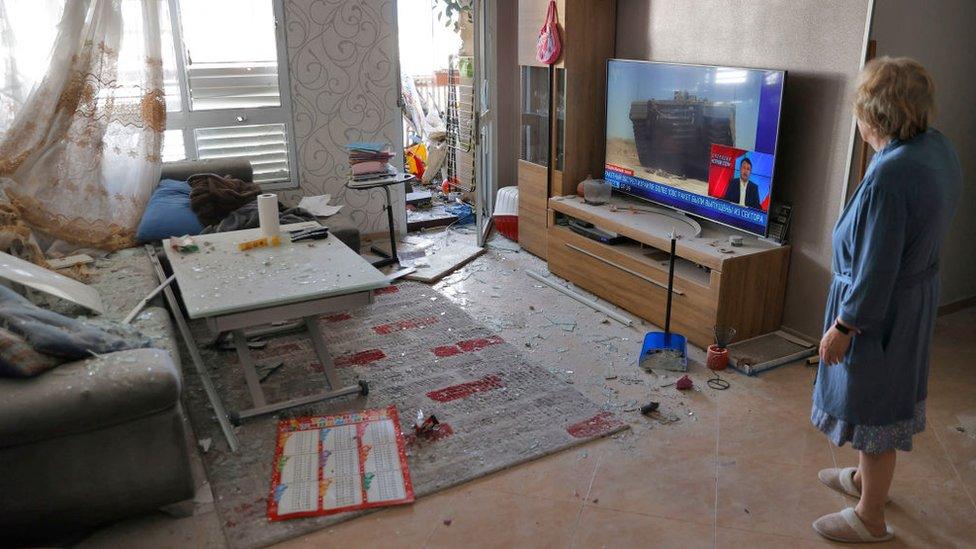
<point x="743" y="289"/>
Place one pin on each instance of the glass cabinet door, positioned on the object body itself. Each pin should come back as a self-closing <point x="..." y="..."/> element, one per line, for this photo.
<point x="534" y="115"/>
<point x="560" y="116"/>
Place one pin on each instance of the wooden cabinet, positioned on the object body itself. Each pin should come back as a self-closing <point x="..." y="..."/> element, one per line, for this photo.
<point x="562" y="108"/>
<point x="742" y="287"/>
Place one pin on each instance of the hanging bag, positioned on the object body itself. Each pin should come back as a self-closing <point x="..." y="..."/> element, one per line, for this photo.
<point x="548" y="47"/>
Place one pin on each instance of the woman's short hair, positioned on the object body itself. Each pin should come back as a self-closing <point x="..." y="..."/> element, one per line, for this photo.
<point x="895" y="96"/>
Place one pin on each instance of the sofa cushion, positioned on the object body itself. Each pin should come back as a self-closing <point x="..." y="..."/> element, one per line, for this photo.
<point x="87" y="395"/>
<point x="168" y="213"/>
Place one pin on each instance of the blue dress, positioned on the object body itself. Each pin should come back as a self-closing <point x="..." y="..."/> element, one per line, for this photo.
<point x="885" y="283"/>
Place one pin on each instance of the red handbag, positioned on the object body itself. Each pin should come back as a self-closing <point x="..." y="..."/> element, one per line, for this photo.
<point x="549" y="47"/>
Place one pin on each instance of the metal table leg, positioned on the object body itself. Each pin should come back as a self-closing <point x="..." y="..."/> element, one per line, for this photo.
<point x="261" y="406"/>
<point x="191" y="345"/>
<point x="392" y="258"/>
<point x="250" y="373"/>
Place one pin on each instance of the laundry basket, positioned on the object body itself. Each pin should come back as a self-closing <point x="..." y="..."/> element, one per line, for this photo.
<point x="506" y="212"/>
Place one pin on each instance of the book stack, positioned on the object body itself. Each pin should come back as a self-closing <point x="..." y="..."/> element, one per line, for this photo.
<point x="370" y="160"/>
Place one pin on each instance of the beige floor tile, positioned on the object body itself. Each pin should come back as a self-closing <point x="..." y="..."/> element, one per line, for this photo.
<point x="403" y="526"/>
<point x="927" y="458"/>
<point x="931" y="512"/>
<point x="483" y="518"/>
<point x="773" y="435"/>
<point x="687" y="420"/>
<point x="772" y="498"/>
<point x="605" y="528"/>
<point x="161" y="531"/>
<point x="561" y="476"/>
<point x="960" y="446"/>
<point x="731" y="538"/>
<point x="677" y="484"/>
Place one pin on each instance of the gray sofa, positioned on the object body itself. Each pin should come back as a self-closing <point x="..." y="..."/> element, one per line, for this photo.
<point x="100" y="439"/>
<point x="97" y="440"/>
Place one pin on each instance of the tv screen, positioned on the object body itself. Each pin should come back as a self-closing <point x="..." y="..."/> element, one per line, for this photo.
<point x="699" y="139"/>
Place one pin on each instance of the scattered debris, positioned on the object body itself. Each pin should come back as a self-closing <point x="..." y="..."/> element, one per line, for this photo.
<point x="447" y="522"/>
<point x="425" y="427"/>
<point x="262" y="242"/>
<point x="205" y="444"/>
<point x="582" y="299"/>
<point x="142" y="304"/>
<point x="184" y="244"/>
<point x="684" y="383"/>
<point x="718" y="383"/>
<point x="267" y="370"/>
<point x="400" y="273"/>
<point x="650" y="407"/>
<point x="662" y="359"/>
<point x="70" y="261"/>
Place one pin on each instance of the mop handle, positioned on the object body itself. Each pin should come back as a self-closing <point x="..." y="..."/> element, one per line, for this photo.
<point x="667" y="311"/>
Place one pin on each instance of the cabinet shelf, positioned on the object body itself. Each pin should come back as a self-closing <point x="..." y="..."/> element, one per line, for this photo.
<point x="744" y="289"/>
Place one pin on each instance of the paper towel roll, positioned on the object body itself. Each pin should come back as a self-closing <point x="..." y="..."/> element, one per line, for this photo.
<point x="268" y="215"/>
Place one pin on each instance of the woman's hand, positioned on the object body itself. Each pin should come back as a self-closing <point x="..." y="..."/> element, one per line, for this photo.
<point x="833" y="346"/>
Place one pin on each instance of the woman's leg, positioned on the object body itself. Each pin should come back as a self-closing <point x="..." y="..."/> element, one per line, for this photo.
<point x="874" y="474"/>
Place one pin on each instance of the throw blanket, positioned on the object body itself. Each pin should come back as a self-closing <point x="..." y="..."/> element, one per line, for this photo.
<point x="214" y="197"/>
<point x="34" y="340"/>
<point x="246" y="217"/>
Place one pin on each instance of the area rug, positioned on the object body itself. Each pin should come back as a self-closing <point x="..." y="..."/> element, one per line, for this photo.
<point x="419" y="352"/>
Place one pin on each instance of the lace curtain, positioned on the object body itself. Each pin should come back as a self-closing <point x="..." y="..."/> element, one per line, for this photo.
<point x="80" y="146"/>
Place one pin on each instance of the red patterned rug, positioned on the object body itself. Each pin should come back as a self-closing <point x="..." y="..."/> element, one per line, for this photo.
<point x="418" y="351"/>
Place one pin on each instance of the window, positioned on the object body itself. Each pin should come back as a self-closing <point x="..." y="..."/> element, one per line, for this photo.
<point x="224" y="69"/>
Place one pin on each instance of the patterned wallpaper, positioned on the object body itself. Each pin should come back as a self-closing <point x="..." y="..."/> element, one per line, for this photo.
<point x="343" y="68"/>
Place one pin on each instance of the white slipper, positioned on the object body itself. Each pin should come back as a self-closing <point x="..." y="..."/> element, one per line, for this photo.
<point x="842" y="480"/>
<point x="847" y="527"/>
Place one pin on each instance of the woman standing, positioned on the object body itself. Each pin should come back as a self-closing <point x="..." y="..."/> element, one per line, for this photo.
<point x="874" y="355"/>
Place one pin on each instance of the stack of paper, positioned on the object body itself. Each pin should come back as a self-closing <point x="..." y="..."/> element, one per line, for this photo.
<point x="370" y="160"/>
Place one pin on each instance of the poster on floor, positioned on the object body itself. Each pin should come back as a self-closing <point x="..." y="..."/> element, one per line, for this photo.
<point x="333" y="464"/>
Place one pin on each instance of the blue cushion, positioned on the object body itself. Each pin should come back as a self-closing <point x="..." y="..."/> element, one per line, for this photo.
<point x="168" y="213"/>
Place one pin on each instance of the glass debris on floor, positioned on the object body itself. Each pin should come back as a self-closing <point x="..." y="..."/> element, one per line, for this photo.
<point x="571" y="341"/>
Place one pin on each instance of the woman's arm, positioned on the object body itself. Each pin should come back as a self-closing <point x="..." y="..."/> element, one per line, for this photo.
<point x="879" y="240"/>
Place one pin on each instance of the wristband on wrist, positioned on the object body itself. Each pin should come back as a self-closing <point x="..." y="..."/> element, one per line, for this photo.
<point x="841" y="328"/>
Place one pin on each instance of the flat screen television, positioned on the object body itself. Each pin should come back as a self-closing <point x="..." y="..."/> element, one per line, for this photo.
<point x="700" y="139"/>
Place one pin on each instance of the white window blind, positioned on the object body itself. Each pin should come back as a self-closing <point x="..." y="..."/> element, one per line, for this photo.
<point x="266" y="145"/>
<point x="233" y="86"/>
<point x="230" y="67"/>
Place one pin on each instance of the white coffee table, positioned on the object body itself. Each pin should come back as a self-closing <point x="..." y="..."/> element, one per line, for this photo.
<point x="235" y="290"/>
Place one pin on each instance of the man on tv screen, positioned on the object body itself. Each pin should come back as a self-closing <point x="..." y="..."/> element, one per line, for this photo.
<point x="743" y="191"/>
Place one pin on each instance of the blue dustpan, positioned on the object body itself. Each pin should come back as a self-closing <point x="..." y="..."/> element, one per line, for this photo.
<point x="665" y="350"/>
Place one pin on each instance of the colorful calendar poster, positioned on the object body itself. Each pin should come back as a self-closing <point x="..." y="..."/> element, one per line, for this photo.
<point x="333" y="464"/>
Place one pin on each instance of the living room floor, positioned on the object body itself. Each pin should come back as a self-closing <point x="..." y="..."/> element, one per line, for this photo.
<point x="715" y="469"/>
